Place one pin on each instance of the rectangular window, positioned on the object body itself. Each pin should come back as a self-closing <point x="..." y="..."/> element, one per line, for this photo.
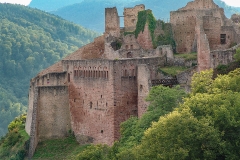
<point x="223" y="38"/>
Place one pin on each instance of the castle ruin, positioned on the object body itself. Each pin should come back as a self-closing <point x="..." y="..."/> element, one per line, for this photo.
<point x="102" y="84"/>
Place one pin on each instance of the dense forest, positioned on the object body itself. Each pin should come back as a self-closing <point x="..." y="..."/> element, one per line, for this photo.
<point x="30" y="40"/>
<point x="80" y="13"/>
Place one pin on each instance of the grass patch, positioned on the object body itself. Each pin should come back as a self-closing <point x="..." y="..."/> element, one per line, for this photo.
<point x="187" y="56"/>
<point x="172" y="70"/>
<point x="66" y="148"/>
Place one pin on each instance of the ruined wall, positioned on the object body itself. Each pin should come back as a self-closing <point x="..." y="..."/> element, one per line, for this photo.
<point x="144" y="38"/>
<point x="130" y="42"/>
<point x="143" y="80"/>
<point x="212" y="28"/>
<point x="91" y="99"/>
<point x="203" y="52"/>
<point x="130" y="17"/>
<point x="53" y="117"/>
<point x="225" y="57"/>
<point x="184" y="22"/>
<point x="200" y="4"/>
<point x="112" y="22"/>
<point x="183" y="25"/>
<point x="125" y="93"/>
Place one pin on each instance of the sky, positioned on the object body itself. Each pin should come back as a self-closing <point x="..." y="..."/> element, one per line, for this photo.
<point x="235" y="3"/>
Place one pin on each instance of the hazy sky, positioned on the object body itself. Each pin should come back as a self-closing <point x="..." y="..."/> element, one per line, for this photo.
<point x="26" y="2"/>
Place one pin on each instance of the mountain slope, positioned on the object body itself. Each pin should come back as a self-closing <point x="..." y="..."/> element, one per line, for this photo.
<point x="90" y="13"/>
<point x="51" y="5"/>
<point x="30" y="40"/>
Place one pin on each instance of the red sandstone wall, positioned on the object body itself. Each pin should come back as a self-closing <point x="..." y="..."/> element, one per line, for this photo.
<point x="53" y="117"/>
<point x="144" y="38"/>
<point x="143" y="88"/>
<point x="200" y="4"/>
<point x="91" y="99"/>
<point x="112" y="23"/>
<point x="183" y="25"/>
<point x="203" y="48"/>
<point x="212" y="28"/>
<point x="125" y="93"/>
<point x="130" y="17"/>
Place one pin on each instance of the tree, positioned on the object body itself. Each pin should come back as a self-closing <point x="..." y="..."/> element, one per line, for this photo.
<point x="205" y="126"/>
<point x="177" y="136"/>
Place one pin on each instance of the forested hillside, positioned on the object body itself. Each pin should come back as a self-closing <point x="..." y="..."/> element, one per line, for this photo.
<point x="30" y="40"/>
<point x="80" y="13"/>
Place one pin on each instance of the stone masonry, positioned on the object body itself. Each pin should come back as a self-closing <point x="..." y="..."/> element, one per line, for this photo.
<point x="93" y="90"/>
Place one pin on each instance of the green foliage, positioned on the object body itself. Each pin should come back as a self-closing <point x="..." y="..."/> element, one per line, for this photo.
<point x="167" y="37"/>
<point x="222" y="68"/>
<point x="187" y="56"/>
<point x="15" y="144"/>
<point x="201" y="82"/>
<point x="172" y="70"/>
<point x="94" y="152"/>
<point x="30" y="40"/>
<point x="178" y="136"/>
<point x="237" y="55"/>
<point x="65" y="148"/>
<point x="145" y="17"/>
<point x="162" y="101"/>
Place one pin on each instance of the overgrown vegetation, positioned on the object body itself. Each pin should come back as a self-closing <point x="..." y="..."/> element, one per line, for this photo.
<point x="14" y="145"/>
<point x="65" y="148"/>
<point x="167" y="37"/>
<point x="172" y="70"/>
<point x="145" y="17"/>
<point x="187" y="56"/>
<point x="237" y="55"/>
<point x="30" y="40"/>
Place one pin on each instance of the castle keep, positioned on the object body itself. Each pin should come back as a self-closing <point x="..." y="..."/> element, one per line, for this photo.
<point x="102" y="84"/>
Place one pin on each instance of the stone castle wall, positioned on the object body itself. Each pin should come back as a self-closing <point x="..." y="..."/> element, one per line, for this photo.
<point x="130" y="17"/>
<point x="183" y="25"/>
<point x="215" y="25"/>
<point x="200" y="4"/>
<point x="53" y="118"/>
<point x="112" y="22"/>
<point x="144" y="38"/>
<point x="91" y="99"/>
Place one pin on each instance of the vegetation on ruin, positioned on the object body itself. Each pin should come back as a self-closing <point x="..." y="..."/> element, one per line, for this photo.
<point x="30" y="40"/>
<point x="65" y="148"/>
<point x="204" y="125"/>
<point x="14" y="145"/>
<point x="167" y="37"/>
<point x="186" y="56"/>
<point x="172" y="70"/>
<point x="237" y="55"/>
<point x="145" y="17"/>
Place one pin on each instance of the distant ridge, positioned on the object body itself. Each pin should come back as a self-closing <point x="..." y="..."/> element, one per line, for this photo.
<point x="90" y="13"/>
